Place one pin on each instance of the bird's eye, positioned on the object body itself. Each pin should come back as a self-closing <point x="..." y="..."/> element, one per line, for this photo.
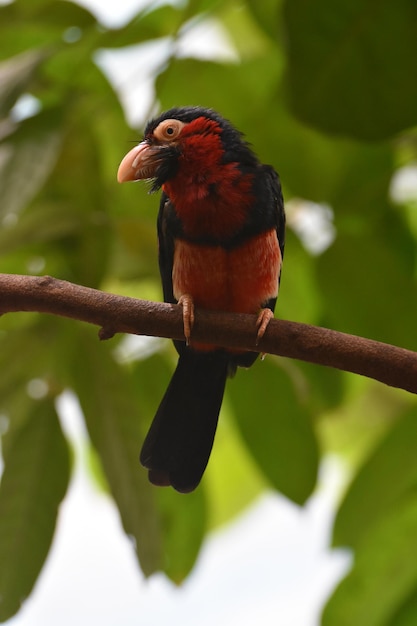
<point x="168" y="130"/>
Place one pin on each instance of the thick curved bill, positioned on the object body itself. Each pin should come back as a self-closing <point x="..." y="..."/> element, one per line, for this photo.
<point x="138" y="164"/>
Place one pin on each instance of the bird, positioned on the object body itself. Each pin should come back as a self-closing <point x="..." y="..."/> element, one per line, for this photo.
<point x="221" y="236"/>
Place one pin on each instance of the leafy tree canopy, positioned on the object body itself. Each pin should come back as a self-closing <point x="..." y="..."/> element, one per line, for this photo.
<point x="327" y="93"/>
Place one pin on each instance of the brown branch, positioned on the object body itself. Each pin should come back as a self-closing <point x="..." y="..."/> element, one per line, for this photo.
<point x="393" y="366"/>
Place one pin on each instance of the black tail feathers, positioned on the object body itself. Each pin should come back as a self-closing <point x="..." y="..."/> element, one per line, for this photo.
<point x="179" y="442"/>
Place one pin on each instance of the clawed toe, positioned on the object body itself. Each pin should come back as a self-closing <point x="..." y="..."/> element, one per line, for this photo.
<point x="262" y="322"/>
<point x="187" y="303"/>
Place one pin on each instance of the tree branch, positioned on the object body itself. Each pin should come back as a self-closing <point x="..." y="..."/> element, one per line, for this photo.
<point x="393" y="366"/>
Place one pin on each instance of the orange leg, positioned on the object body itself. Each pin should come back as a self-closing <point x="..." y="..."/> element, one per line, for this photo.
<point x="262" y="322"/>
<point x="186" y="301"/>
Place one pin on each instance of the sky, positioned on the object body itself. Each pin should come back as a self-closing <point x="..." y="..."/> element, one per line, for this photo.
<point x="271" y="566"/>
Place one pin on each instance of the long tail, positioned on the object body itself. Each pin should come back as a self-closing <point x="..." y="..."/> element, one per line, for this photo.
<point x="178" y="444"/>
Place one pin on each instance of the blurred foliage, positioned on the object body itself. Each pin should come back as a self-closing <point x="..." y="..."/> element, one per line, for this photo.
<point x="326" y="92"/>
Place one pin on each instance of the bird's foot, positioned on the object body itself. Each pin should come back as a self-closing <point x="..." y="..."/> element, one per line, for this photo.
<point x="187" y="303"/>
<point x="262" y="322"/>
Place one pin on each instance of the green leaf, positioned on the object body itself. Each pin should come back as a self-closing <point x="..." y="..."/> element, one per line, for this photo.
<point x="248" y="39"/>
<point x="184" y="78"/>
<point x="344" y="73"/>
<point x="326" y="386"/>
<point x="15" y="76"/>
<point x="163" y="21"/>
<point x="72" y="203"/>
<point x="267" y="14"/>
<point x="14" y="376"/>
<point x="43" y="224"/>
<point x="276" y="427"/>
<point x="366" y="285"/>
<point x="298" y="298"/>
<point x="60" y="14"/>
<point x="29" y="157"/>
<point x="32" y="346"/>
<point x="195" y="7"/>
<point x="29" y="24"/>
<point x="183" y="520"/>
<point x="370" y="166"/>
<point x="384" y="573"/>
<point x="320" y="167"/>
<point x="232" y="479"/>
<point x="115" y="427"/>
<point x="387" y="477"/>
<point x="33" y="484"/>
<point x="407" y="614"/>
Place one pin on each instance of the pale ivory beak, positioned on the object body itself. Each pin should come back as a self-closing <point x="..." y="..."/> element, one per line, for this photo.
<point x="139" y="163"/>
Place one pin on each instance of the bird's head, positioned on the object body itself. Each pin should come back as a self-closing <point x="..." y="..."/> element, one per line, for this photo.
<point x="194" y="137"/>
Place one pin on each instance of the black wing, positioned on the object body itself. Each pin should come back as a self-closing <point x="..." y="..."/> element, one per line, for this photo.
<point x="167" y="226"/>
<point x="165" y="248"/>
<point x="276" y="203"/>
